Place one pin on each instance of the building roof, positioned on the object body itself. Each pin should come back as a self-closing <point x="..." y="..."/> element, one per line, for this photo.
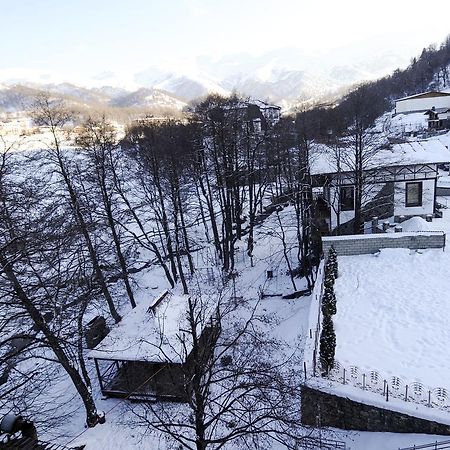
<point x="429" y="94"/>
<point x="437" y="111"/>
<point x="149" y="333"/>
<point x="430" y="151"/>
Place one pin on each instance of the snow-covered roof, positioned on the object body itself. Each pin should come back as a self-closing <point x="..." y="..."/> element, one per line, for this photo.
<point x="147" y="334"/>
<point x="264" y="105"/>
<point x="437" y="110"/>
<point x="424" y="95"/>
<point x="431" y="151"/>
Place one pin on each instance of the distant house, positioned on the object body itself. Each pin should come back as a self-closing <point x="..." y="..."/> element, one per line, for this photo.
<point x="146" y="355"/>
<point x="270" y="113"/>
<point x="422" y="102"/>
<point x="398" y="182"/>
<point x="438" y="118"/>
<point x="259" y="116"/>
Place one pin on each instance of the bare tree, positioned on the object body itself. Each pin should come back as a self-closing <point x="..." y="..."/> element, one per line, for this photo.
<point x="240" y="386"/>
<point x="99" y="142"/>
<point x="40" y="278"/>
<point x="51" y="114"/>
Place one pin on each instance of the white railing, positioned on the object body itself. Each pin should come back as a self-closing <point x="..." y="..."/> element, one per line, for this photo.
<point x="311" y="352"/>
<point x="391" y="386"/>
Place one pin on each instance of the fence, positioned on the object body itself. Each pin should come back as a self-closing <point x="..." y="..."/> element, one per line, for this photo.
<point x="311" y="351"/>
<point x="434" y="446"/>
<point x="310" y="443"/>
<point x="391" y="386"/>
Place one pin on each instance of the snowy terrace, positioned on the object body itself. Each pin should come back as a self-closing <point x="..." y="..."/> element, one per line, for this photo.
<point x="397" y="326"/>
<point x="392" y="329"/>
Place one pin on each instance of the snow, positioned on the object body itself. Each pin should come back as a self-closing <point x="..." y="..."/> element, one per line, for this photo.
<point x="393" y="311"/>
<point x="417" y="224"/>
<point x="430" y="151"/>
<point x="444" y="181"/>
<point x="407" y="123"/>
<point x="392" y="319"/>
<point x="146" y="336"/>
<point x="399" y="326"/>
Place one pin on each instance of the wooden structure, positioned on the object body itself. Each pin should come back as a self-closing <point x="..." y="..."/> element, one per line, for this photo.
<point x="148" y="354"/>
<point x="141" y="380"/>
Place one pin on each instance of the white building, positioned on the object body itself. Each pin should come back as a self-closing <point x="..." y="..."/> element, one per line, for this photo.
<point x="422" y="102"/>
<point x="399" y="181"/>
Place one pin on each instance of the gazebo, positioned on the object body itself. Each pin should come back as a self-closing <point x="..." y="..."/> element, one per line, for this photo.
<point x="144" y="356"/>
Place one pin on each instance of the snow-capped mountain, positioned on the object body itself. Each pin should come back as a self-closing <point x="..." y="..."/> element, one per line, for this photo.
<point x="145" y="97"/>
<point x="287" y="76"/>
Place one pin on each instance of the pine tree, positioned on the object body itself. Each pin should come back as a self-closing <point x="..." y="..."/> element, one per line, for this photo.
<point x="329" y="301"/>
<point x="332" y="262"/>
<point x="327" y="343"/>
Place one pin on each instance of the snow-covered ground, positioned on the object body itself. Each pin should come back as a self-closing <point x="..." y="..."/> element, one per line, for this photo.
<point x="407" y="123"/>
<point x="393" y="314"/>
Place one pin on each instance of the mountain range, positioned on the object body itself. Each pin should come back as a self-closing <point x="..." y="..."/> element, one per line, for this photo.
<point x="287" y="77"/>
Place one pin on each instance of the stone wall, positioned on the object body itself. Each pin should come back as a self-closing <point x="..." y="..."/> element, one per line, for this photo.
<point x="443" y="191"/>
<point x="372" y="243"/>
<point x="333" y="411"/>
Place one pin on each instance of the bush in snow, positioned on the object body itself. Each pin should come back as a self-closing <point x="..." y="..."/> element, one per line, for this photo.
<point x="327" y="344"/>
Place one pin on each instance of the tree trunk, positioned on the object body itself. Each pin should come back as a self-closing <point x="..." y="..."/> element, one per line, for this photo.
<point x="92" y="416"/>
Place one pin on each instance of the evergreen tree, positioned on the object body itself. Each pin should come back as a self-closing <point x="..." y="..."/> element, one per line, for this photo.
<point x="332" y="261"/>
<point x="329" y="301"/>
<point x="327" y="343"/>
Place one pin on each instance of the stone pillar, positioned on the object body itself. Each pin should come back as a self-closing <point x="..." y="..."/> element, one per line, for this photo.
<point x="374" y="224"/>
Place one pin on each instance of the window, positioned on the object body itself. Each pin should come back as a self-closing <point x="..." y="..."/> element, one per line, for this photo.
<point x="347" y="198"/>
<point x="414" y="194"/>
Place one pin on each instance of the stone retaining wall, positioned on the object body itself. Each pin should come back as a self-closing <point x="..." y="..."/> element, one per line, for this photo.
<point x="372" y="243"/>
<point x="330" y="410"/>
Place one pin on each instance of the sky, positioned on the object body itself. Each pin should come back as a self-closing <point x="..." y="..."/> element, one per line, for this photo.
<point x="92" y="38"/>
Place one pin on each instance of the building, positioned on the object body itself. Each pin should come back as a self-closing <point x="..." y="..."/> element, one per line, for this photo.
<point x="422" y="102"/>
<point x="270" y="113"/>
<point x="438" y="118"/>
<point x="399" y="181"/>
<point x="147" y="355"/>
<point x="257" y="115"/>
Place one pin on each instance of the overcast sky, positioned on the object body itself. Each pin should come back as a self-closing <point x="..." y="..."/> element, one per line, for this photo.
<point x="89" y="37"/>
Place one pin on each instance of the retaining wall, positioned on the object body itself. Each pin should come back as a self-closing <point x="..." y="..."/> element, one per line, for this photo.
<point x="340" y="412"/>
<point x="361" y="244"/>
